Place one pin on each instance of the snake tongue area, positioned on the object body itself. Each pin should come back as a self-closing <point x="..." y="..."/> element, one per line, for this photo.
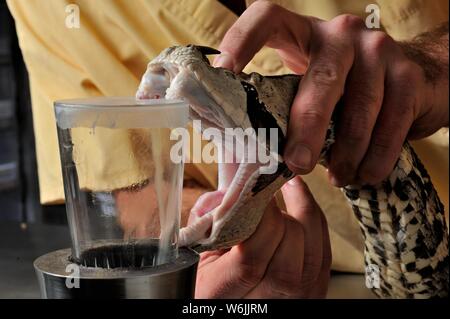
<point x="401" y="219"/>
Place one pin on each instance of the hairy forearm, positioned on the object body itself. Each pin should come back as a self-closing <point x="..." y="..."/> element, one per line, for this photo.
<point x="430" y="51"/>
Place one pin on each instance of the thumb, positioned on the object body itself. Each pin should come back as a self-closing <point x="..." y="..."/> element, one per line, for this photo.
<point x="298" y="198"/>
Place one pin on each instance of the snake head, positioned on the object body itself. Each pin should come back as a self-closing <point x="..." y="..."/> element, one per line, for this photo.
<point x="223" y="100"/>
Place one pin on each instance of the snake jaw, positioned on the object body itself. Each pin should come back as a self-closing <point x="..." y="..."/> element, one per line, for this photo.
<point x="207" y="221"/>
<point x="257" y="102"/>
<point x="165" y="79"/>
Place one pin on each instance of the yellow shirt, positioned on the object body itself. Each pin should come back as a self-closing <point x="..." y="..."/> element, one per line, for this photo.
<point x="108" y="54"/>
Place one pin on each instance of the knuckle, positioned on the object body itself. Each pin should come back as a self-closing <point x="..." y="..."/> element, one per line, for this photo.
<point x="378" y="166"/>
<point x="264" y="7"/>
<point x="381" y="143"/>
<point x="276" y="226"/>
<point x="346" y="22"/>
<point x="312" y="266"/>
<point x="238" y="35"/>
<point x="353" y="128"/>
<point x="367" y="97"/>
<point x="408" y="72"/>
<point x="379" y="41"/>
<point x="249" y="274"/>
<point x="407" y="107"/>
<point x="315" y="117"/>
<point x="402" y="111"/>
<point x="285" y="282"/>
<point x="311" y="272"/>
<point x="361" y="106"/>
<point x="354" y="124"/>
<point x="325" y="74"/>
<point x="407" y="79"/>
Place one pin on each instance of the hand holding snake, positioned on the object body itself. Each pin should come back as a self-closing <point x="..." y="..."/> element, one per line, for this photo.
<point x="288" y="256"/>
<point x="390" y="90"/>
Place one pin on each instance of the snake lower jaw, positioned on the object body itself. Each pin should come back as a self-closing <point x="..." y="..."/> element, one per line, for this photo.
<point x="213" y="210"/>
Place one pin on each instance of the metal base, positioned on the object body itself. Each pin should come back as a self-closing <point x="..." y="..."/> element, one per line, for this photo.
<point x="59" y="278"/>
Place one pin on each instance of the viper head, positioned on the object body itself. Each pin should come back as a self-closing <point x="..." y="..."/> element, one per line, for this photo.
<point x="220" y="99"/>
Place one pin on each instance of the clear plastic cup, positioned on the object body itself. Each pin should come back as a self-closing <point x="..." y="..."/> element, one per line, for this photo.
<point x="122" y="185"/>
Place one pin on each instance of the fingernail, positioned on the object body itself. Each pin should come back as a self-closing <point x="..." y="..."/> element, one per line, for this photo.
<point x="223" y="60"/>
<point x="294" y="181"/>
<point x="300" y="156"/>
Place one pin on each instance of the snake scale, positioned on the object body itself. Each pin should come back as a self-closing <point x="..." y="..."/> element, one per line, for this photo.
<point x="402" y="219"/>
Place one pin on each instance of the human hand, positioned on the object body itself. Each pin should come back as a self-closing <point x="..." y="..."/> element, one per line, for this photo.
<point x="288" y="256"/>
<point x="390" y="90"/>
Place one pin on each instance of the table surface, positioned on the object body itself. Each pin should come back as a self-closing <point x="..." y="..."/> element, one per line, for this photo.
<point x="20" y="246"/>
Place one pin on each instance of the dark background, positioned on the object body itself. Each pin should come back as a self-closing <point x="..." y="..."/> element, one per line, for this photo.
<point x="19" y="193"/>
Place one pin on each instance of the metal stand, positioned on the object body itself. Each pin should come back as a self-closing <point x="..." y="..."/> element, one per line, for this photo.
<point x="59" y="278"/>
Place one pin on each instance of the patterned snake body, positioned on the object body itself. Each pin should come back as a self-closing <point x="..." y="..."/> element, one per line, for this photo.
<point x="402" y="219"/>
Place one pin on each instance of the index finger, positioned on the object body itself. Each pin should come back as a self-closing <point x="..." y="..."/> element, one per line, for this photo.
<point x="263" y="23"/>
<point x="320" y="90"/>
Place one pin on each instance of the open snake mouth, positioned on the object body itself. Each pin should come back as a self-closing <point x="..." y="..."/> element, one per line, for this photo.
<point x="238" y="177"/>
